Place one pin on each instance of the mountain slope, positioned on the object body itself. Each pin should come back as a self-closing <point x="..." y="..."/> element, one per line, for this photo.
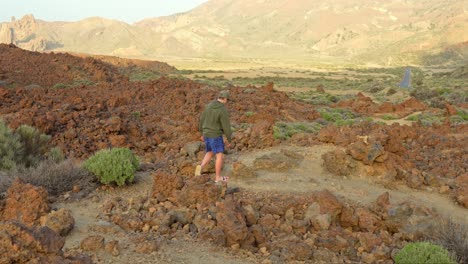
<point x="384" y="32"/>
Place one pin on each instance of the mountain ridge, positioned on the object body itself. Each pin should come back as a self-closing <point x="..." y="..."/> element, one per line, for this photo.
<point x="386" y="33"/>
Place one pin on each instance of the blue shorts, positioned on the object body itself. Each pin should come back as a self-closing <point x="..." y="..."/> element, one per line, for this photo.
<point x="215" y="145"/>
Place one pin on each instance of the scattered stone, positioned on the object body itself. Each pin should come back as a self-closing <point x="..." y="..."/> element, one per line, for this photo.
<point x="192" y="148"/>
<point x="338" y="163"/>
<point x="61" y="221"/>
<point x="92" y="243"/>
<point x="113" y="248"/>
<point x="147" y="247"/>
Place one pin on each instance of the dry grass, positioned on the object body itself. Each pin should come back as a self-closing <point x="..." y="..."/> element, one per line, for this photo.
<point x="452" y="236"/>
<point x="6" y="179"/>
<point x="56" y="178"/>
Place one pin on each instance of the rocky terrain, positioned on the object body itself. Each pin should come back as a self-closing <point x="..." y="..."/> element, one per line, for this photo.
<point x="168" y="208"/>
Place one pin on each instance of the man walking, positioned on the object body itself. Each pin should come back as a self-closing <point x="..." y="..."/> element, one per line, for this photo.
<point x="214" y="122"/>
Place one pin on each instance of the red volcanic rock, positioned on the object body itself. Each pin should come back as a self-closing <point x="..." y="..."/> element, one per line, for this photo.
<point x="200" y="190"/>
<point x="451" y="110"/>
<point x="61" y="221"/>
<point x="163" y="112"/>
<point x="367" y="220"/>
<point x="462" y="190"/>
<point x="25" y="203"/>
<point x="268" y="88"/>
<point x="230" y="219"/>
<point x="369" y="241"/>
<point x="367" y="153"/>
<point x="329" y="204"/>
<point x="165" y="186"/>
<point x="410" y="105"/>
<point x="92" y="243"/>
<point x="113" y="124"/>
<point x="382" y="203"/>
<point x="364" y="105"/>
<point x="23" y="67"/>
<point x="117" y="140"/>
<point x="338" y="163"/>
<point x="348" y="218"/>
<point x="20" y="244"/>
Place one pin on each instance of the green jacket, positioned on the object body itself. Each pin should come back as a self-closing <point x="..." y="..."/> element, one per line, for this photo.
<point x="214" y="121"/>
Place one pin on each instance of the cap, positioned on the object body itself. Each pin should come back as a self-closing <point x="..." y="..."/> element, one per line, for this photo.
<point x="224" y="94"/>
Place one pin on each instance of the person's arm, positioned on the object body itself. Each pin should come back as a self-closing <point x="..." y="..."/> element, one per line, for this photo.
<point x="226" y="125"/>
<point x="200" y="124"/>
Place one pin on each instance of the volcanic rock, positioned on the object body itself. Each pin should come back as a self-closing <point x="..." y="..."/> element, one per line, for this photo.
<point x="92" y="243"/>
<point x="25" y="203"/>
<point x="165" y="186"/>
<point x="61" y="221"/>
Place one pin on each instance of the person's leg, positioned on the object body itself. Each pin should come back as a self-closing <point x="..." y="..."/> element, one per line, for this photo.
<point x="205" y="161"/>
<point x="207" y="158"/>
<point x="219" y="166"/>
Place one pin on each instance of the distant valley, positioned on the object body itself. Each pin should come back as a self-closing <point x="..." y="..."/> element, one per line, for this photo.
<point x="356" y="32"/>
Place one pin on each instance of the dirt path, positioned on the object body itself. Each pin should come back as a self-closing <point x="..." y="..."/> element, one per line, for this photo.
<point x="309" y="176"/>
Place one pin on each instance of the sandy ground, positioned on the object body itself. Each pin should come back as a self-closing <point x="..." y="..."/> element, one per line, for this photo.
<point x="310" y="176"/>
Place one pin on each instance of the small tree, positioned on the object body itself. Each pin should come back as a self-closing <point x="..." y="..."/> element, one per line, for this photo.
<point x="115" y="165"/>
<point x="423" y="253"/>
<point x="9" y="145"/>
<point x="34" y="146"/>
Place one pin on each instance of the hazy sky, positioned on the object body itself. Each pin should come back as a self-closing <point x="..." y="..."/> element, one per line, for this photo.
<point x="72" y="10"/>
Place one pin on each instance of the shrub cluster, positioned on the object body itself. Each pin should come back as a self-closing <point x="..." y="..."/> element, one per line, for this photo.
<point x="287" y="130"/>
<point x="55" y="177"/>
<point x="24" y="147"/>
<point x="453" y="236"/>
<point x="116" y="165"/>
<point x="423" y="252"/>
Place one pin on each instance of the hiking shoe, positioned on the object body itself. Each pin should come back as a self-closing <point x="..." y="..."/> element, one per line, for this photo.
<point x="198" y="170"/>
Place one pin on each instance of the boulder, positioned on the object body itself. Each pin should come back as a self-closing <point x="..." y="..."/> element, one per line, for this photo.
<point x="61" y="221"/>
<point x="329" y="204"/>
<point x="25" y="203"/>
<point x="165" y="185"/>
<point x="338" y="163"/>
<point x="201" y="190"/>
<point x="92" y="243"/>
<point x="192" y="148"/>
<point x="367" y="153"/>
<point x="231" y="220"/>
<point x="21" y="244"/>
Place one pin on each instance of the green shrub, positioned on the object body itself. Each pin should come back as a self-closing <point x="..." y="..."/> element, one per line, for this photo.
<point x="115" y="165"/>
<point x="462" y="113"/>
<point x="60" y="86"/>
<point x="34" y="146"/>
<point x="338" y="116"/>
<point x="56" y="155"/>
<point x="287" y="130"/>
<point x="9" y="144"/>
<point x="26" y="147"/>
<point x="426" y="119"/>
<point x="389" y="117"/>
<point x="423" y="252"/>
